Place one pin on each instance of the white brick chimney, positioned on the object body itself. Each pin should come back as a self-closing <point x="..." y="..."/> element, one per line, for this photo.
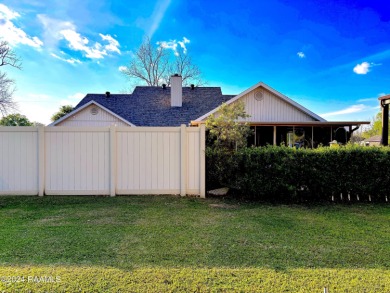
<point x="176" y="91"/>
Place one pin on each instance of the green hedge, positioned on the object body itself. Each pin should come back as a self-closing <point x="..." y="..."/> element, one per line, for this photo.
<point x="294" y="175"/>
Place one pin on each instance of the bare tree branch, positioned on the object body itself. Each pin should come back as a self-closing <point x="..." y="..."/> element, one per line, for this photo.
<point x="154" y="66"/>
<point x="189" y="71"/>
<point x="6" y="91"/>
<point x="8" y="56"/>
<point x="7" y="85"/>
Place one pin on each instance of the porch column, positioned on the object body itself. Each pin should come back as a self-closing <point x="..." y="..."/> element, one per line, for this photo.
<point x="255" y="136"/>
<point x="274" y="135"/>
<point x="385" y="124"/>
<point x="349" y="133"/>
<point x="312" y="137"/>
<point x="331" y="133"/>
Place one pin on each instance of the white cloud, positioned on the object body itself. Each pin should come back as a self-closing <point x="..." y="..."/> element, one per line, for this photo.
<point x="7" y="13"/>
<point x="69" y="60"/>
<point x="112" y="43"/>
<point x="362" y="68"/>
<point x="52" y="29"/>
<point x="122" y="68"/>
<point x="183" y="44"/>
<point x="371" y="99"/>
<point x="367" y="100"/>
<point x="172" y="44"/>
<point x="301" y="55"/>
<point x="12" y="34"/>
<point x="169" y="45"/>
<point x="349" y="110"/>
<point x="56" y="30"/>
<point x="97" y="51"/>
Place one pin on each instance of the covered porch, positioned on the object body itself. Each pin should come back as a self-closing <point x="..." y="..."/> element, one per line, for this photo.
<point x="302" y="134"/>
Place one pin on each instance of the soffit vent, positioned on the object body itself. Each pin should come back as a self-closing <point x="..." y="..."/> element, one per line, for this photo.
<point x="259" y="95"/>
<point x="94" y="110"/>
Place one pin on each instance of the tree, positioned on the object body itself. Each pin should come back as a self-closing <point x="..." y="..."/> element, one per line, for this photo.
<point x="225" y="127"/>
<point x="154" y="66"/>
<point x="62" y="112"/>
<point x="375" y="126"/>
<point x="37" y="124"/>
<point x="7" y="57"/>
<point x="15" y="120"/>
<point x="189" y="72"/>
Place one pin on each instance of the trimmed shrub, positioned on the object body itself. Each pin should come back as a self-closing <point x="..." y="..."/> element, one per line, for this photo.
<point x="285" y="174"/>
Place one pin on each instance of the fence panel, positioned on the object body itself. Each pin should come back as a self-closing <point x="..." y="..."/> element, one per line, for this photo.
<point x="148" y="160"/>
<point x="193" y="157"/>
<point x="102" y="160"/>
<point x="77" y="160"/>
<point x="19" y="160"/>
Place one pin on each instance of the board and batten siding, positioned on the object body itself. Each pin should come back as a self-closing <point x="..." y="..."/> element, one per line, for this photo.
<point x="102" y="160"/>
<point x="85" y="117"/>
<point x="271" y="108"/>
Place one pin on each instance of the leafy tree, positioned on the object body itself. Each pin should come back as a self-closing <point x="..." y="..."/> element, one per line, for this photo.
<point x="7" y="57"/>
<point x="375" y="126"/>
<point x="37" y="124"/>
<point x="15" y="120"/>
<point x="226" y="129"/>
<point x="154" y="65"/>
<point x="62" y="112"/>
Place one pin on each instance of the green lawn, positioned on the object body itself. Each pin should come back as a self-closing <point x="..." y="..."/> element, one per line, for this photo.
<point x="146" y="243"/>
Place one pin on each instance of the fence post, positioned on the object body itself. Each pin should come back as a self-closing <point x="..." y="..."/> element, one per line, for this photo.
<point x="183" y="160"/>
<point x="41" y="160"/>
<point x="202" y="156"/>
<point x="112" y="160"/>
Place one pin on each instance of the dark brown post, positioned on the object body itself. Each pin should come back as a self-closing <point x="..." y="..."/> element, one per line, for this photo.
<point x="385" y="124"/>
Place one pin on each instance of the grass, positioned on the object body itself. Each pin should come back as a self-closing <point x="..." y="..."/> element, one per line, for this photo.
<point x="159" y="243"/>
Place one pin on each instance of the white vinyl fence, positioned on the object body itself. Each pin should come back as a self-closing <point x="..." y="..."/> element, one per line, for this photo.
<point x="102" y="160"/>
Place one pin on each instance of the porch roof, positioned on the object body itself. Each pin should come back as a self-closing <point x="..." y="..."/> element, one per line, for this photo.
<point x="305" y="123"/>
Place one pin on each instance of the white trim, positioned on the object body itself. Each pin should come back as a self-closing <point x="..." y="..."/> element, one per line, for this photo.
<point x="113" y="160"/>
<point x="183" y="160"/>
<point x="202" y="168"/>
<point x="41" y="160"/>
<point x="262" y="84"/>
<point x="85" y="106"/>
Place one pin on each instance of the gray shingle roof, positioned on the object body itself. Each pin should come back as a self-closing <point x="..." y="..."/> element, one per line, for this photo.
<point x="151" y="106"/>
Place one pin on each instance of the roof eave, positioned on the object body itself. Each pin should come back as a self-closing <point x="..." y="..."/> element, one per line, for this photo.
<point x="280" y="95"/>
<point x="63" y="118"/>
<point x="296" y="123"/>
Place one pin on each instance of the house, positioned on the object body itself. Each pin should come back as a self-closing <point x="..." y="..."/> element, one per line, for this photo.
<point x="373" y="140"/>
<point x="275" y="118"/>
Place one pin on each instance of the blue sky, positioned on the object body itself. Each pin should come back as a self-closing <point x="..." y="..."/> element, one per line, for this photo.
<point x="331" y="56"/>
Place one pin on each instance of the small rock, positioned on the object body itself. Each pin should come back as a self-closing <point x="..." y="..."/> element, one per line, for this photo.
<point x="219" y="191"/>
